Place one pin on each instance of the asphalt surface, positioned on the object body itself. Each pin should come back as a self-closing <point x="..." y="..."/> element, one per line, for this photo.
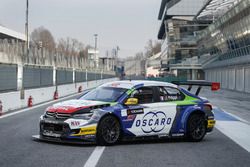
<point x="18" y="149"/>
<point x="236" y="103"/>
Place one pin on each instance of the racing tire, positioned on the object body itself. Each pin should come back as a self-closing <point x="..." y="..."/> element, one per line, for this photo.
<point x="196" y="127"/>
<point x="108" y="131"/>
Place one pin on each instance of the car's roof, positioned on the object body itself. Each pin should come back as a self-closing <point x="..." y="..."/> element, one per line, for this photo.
<point x="128" y="84"/>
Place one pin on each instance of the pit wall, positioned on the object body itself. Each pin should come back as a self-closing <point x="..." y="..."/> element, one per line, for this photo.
<point x="233" y="78"/>
<point x="12" y="101"/>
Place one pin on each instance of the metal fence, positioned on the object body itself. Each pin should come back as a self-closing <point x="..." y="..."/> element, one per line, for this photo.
<point x="106" y="76"/>
<point x="64" y="76"/>
<point x="243" y="51"/>
<point x="36" y="76"/>
<point x="42" y="76"/>
<point x="91" y="76"/>
<point x="80" y="76"/>
<point x="8" y="77"/>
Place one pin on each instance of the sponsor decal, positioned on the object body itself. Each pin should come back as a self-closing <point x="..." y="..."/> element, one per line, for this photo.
<point x="123" y="112"/>
<point x="115" y="84"/>
<point x="75" y="123"/>
<point x="153" y="122"/>
<point x="135" y="111"/>
<point x="89" y="136"/>
<point x="51" y="122"/>
<point x="163" y="135"/>
<point x="88" y="130"/>
<point x="130" y="118"/>
<point x="51" y="133"/>
<point x="66" y="105"/>
<point x="173" y="97"/>
<point x="177" y="134"/>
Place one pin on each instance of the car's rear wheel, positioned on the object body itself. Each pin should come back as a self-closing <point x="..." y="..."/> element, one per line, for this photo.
<point x="196" y="127"/>
<point x="108" y="132"/>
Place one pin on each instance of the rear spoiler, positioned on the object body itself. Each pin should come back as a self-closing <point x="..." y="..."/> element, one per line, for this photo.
<point x="214" y="85"/>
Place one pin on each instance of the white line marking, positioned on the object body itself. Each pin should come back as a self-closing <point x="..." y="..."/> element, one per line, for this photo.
<point x="36" y="106"/>
<point x="238" y="131"/>
<point x="94" y="157"/>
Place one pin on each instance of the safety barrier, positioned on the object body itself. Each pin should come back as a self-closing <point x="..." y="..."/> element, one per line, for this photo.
<point x="40" y="95"/>
<point x="8" y="77"/>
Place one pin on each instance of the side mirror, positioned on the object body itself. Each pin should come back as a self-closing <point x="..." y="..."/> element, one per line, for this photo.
<point x="131" y="101"/>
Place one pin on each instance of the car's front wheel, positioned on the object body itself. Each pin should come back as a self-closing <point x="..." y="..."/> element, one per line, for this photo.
<point x="196" y="127"/>
<point x="108" y="132"/>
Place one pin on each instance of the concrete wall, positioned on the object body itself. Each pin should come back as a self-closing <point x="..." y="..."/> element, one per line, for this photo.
<point x="12" y="101"/>
<point x="233" y="78"/>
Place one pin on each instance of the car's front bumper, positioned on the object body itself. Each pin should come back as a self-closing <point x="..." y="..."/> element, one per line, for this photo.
<point x="67" y="130"/>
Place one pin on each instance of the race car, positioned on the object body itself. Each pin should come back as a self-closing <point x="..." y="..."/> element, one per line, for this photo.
<point x="130" y="109"/>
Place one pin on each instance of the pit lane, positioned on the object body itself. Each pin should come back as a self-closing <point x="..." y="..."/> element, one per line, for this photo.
<point x="19" y="149"/>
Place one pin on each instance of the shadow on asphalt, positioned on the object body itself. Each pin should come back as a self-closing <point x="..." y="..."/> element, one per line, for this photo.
<point x="64" y="144"/>
<point x="124" y="142"/>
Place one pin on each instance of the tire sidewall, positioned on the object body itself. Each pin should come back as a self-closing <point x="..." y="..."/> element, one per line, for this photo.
<point x="189" y="134"/>
<point x="99" y="138"/>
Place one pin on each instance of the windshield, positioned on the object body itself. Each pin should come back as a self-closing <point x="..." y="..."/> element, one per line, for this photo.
<point x="107" y="94"/>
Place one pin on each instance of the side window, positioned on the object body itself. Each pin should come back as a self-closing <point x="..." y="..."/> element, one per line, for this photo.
<point x="144" y="95"/>
<point x="170" y="94"/>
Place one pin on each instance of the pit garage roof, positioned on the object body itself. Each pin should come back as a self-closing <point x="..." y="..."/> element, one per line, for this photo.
<point x="172" y="8"/>
<point x="166" y="4"/>
<point x="214" y="9"/>
<point x="6" y="33"/>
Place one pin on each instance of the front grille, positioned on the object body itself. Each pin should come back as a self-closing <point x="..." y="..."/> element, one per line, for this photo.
<point x="57" y="115"/>
<point x="51" y="129"/>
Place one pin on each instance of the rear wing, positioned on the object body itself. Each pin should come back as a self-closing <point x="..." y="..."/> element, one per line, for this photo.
<point x="214" y="85"/>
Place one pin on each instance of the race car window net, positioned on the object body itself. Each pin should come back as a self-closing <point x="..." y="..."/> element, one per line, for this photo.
<point x="214" y="85"/>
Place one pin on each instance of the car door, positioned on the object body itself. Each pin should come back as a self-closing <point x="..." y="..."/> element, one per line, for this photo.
<point x="151" y="116"/>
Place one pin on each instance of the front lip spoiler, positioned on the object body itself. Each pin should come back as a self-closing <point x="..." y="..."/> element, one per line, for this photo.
<point x="59" y="140"/>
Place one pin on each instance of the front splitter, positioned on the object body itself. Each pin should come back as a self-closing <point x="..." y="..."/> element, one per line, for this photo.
<point x="59" y="140"/>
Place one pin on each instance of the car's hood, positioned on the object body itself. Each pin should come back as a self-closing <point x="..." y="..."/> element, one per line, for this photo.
<point x="71" y="106"/>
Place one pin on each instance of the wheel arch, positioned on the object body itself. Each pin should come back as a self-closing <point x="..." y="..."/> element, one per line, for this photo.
<point x="111" y="114"/>
<point x="187" y="116"/>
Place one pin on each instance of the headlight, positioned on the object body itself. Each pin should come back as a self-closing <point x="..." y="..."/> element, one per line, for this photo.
<point x="83" y="115"/>
<point x="93" y="115"/>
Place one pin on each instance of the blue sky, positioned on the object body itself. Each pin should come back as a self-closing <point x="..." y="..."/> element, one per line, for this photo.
<point x="126" y="23"/>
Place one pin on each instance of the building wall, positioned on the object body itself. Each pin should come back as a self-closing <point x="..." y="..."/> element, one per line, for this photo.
<point x="228" y="42"/>
<point x="229" y="36"/>
<point x="234" y="78"/>
<point x="135" y="67"/>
